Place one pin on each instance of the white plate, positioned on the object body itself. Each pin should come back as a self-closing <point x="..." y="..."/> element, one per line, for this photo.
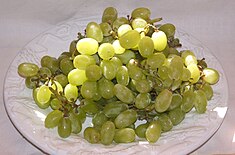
<point x="193" y="132"/>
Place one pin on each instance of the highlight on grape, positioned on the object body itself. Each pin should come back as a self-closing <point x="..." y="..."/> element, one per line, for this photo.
<point x="122" y="70"/>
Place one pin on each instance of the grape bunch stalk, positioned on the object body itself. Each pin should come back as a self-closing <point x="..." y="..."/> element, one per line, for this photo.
<point x="123" y="70"/>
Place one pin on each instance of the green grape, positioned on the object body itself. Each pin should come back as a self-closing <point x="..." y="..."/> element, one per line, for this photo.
<point x="210" y="75"/>
<point x="31" y="82"/>
<point x="188" y="101"/>
<point x="66" y="65"/>
<point x="168" y="29"/>
<point x="207" y="90"/>
<point x="176" y="84"/>
<point x="93" y="72"/>
<point x="201" y="101"/>
<point x="53" y="118"/>
<point x="163" y="72"/>
<point x="139" y="23"/>
<point x="143" y="86"/>
<point x="156" y="60"/>
<point x="82" y="61"/>
<point x="167" y="83"/>
<point x="141" y="129"/>
<point x="126" y="56"/>
<point x="107" y="133"/>
<point x="108" y="39"/>
<point x="72" y="47"/>
<point x="27" y="69"/>
<point x="80" y="114"/>
<point x="94" y="31"/>
<point x="135" y="72"/>
<point x="176" y="115"/>
<point x="123" y="93"/>
<point x="90" y="107"/>
<point x="125" y="135"/>
<point x="109" y="15"/>
<point x="175" y="102"/>
<point x="153" y="131"/>
<point x="119" y="21"/>
<point x="118" y="49"/>
<point x="87" y="46"/>
<point x="163" y="100"/>
<point x="92" y="135"/>
<point x="142" y="100"/>
<point x="76" y="123"/>
<point x="55" y="104"/>
<point x="125" y="118"/>
<point x="188" y="57"/>
<point x="113" y="109"/>
<point x="44" y="73"/>
<point x="108" y="69"/>
<point x="160" y="40"/>
<point x="62" y="79"/>
<point x="77" y="77"/>
<point x="106" y="29"/>
<point x="106" y="51"/>
<point x="175" y="68"/>
<point x="186" y="74"/>
<point x="165" y="122"/>
<point x="195" y="73"/>
<point x="71" y="92"/>
<point x="141" y="12"/>
<point x="117" y="62"/>
<point x="105" y="88"/>
<point x="43" y="94"/>
<point x="146" y="47"/>
<point x="99" y="119"/>
<point x="173" y="51"/>
<point x="42" y="105"/>
<point x="122" y="76"/>
<point x="64" y="127"/>
<point x="130" y="39"/>
<point x="51" y="63"/>
<point x="88" y="89"/>
<point x="123" y="29"/>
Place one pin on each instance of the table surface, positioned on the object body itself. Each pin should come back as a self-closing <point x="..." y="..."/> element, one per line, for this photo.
<point x="210" y="21"/>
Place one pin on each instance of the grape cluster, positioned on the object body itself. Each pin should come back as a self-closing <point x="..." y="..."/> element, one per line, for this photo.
<point x="123" y="70"/>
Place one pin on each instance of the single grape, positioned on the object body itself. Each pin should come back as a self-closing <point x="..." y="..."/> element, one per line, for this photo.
<point x="64" y="127"/>
<point x="156" y="60"/>
<point x="42" y="105"/>
<point x="77" y="77"/>
<point x="93" y="72"/>
<point x="106" y="29"/>
<point x="71" y="92"/>
<point x="139" y="23"/>
<point x="55" y="104"/>
<point x="160" y="40"/>
<point x="99" y="119"/>
<point x="142" y="100"/>
<point x="108" y="69"/>
<point x="195" y="73"/>
<point x="143" y="86"/>
<point x="126" y="56"/>
<point x="141" y="12"/>
<point x="88" y="89"/>
<point x="82" y="61"/>
<point x="106" y="51"/>
<point x="141" y="129"/>
<point x="109" y="15"/>
<point x="123" y="93"/>
<point x="107" y="133"/>
<point x="163" y="100"/>
<point x="153" y="131"/>
<point x="118" y="49"/>
<point x="27" y="69"/>
<point x="186" y="74"/>
<point x="210" y="75"/>
<point x="43" y="94"/>
<point x="123" y="29"/>
<point x="165" y="121"/>
<point x="189" y="57"/>
<point x="92" y="135"/>
<point x="62" y="79"/>
<point x="188" y="101"/>
<point x="146" y="47"/>
<point x="66" y="65"/>
<point x="51" y="63"/>
<point x="201" y="101"/>
<point x="31" y="82"/>
<point x="53" y="118"/>
<point x="125" y="118"/>
<point x="175" y="102"/>
<point x="207" y="90"/>
<point x="87" y="46"/>
<point x="125" y="135"/>
<point x="168" y="29"/>
<point x="105" y="88"/>
<point x="176" y="115"/>
<point x="118" y="22"/>
<point x="113" y="109"/>
<point x="130" y="39"/>
<point x="76" y="123"/>
<point x="90" y="107"/>
<point x="122" y="76"/>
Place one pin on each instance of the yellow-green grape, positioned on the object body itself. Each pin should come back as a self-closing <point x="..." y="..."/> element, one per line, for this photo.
<point x="93" y="72"/>
<point x="168" y="29"/>
<point x="188" y="101"/>
<point x="82" y="61"/>
<point x="176" y="84"/>
<point x="156" y="60"/>
<point x="116" y="61"/>
<point x="113" y="109"/>
<point x="108" y="69"/>
<point x="50" y="62"/>
<point x="125" y="135"/>
<point x="142" y="100"/>
<point x="195" y="73"/>
<point x="176" y="115"/>
<point x="139" y="23"/>
<point x="135" y="72"/>
<point x="146" y="47"/>
<point x="31" y="82"/>
<point x="43" y="72"/>
<point x="55" y="104"/>
<point x="76" y="123"/>
<point x="55" y="85"/>
<point x="130" y="39"/>
<point x="88" y="89"/>
<point x="42" y="105"/>
<point x="118" y="49"/>
<point x="165" y="122"/>
<point x="106" y="29"/>
<point x="186" y="74"/>
<point x="77" y="77"/>
<point x="119" y="21"/>
<point x="90" y="107"/>
<point x="80" y="114"/>
<point x="64" y="127"/>
<point x="176" y="101"/>
<point x="125" y="118"/>
<point x="210" y="75"/>
<point x="106" y="51"/>
<point x="141" y="129"/>
<point x="126" y="56"/>
<point x="201" y="101"/>
<point x="66" y="65"/>
<point x="27" y="69"/>
<point x="141" y="12"/>
<point x="61" y="79"/>
<point x="43" y="94"/>
<point x="208" y="90"/>
<point x="123" y="29"/>
<point x="175" y="68"/>
<point x="105" y="88"/>
<point x="109" y="15"/>
<point x="107" y="133"/>
<point x="108" y="39"/>
<point x="72" y="47"/>
<point x="87" y="46"/>
<point x="92" y="135"/>
<point x="163" y="72"/>
<point x="160" y="40"/>
<point x="143" y="86"/>
<point x="153" y="132"/>
<point x="123" y="93"/>
<point x="53" y="118"/>
<point x="71" y="92"/>
<point x="163" y="100"/>
<point x="122" y="76"/>
<point x="99" y="119"/>
<point x="189" y="57"/>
